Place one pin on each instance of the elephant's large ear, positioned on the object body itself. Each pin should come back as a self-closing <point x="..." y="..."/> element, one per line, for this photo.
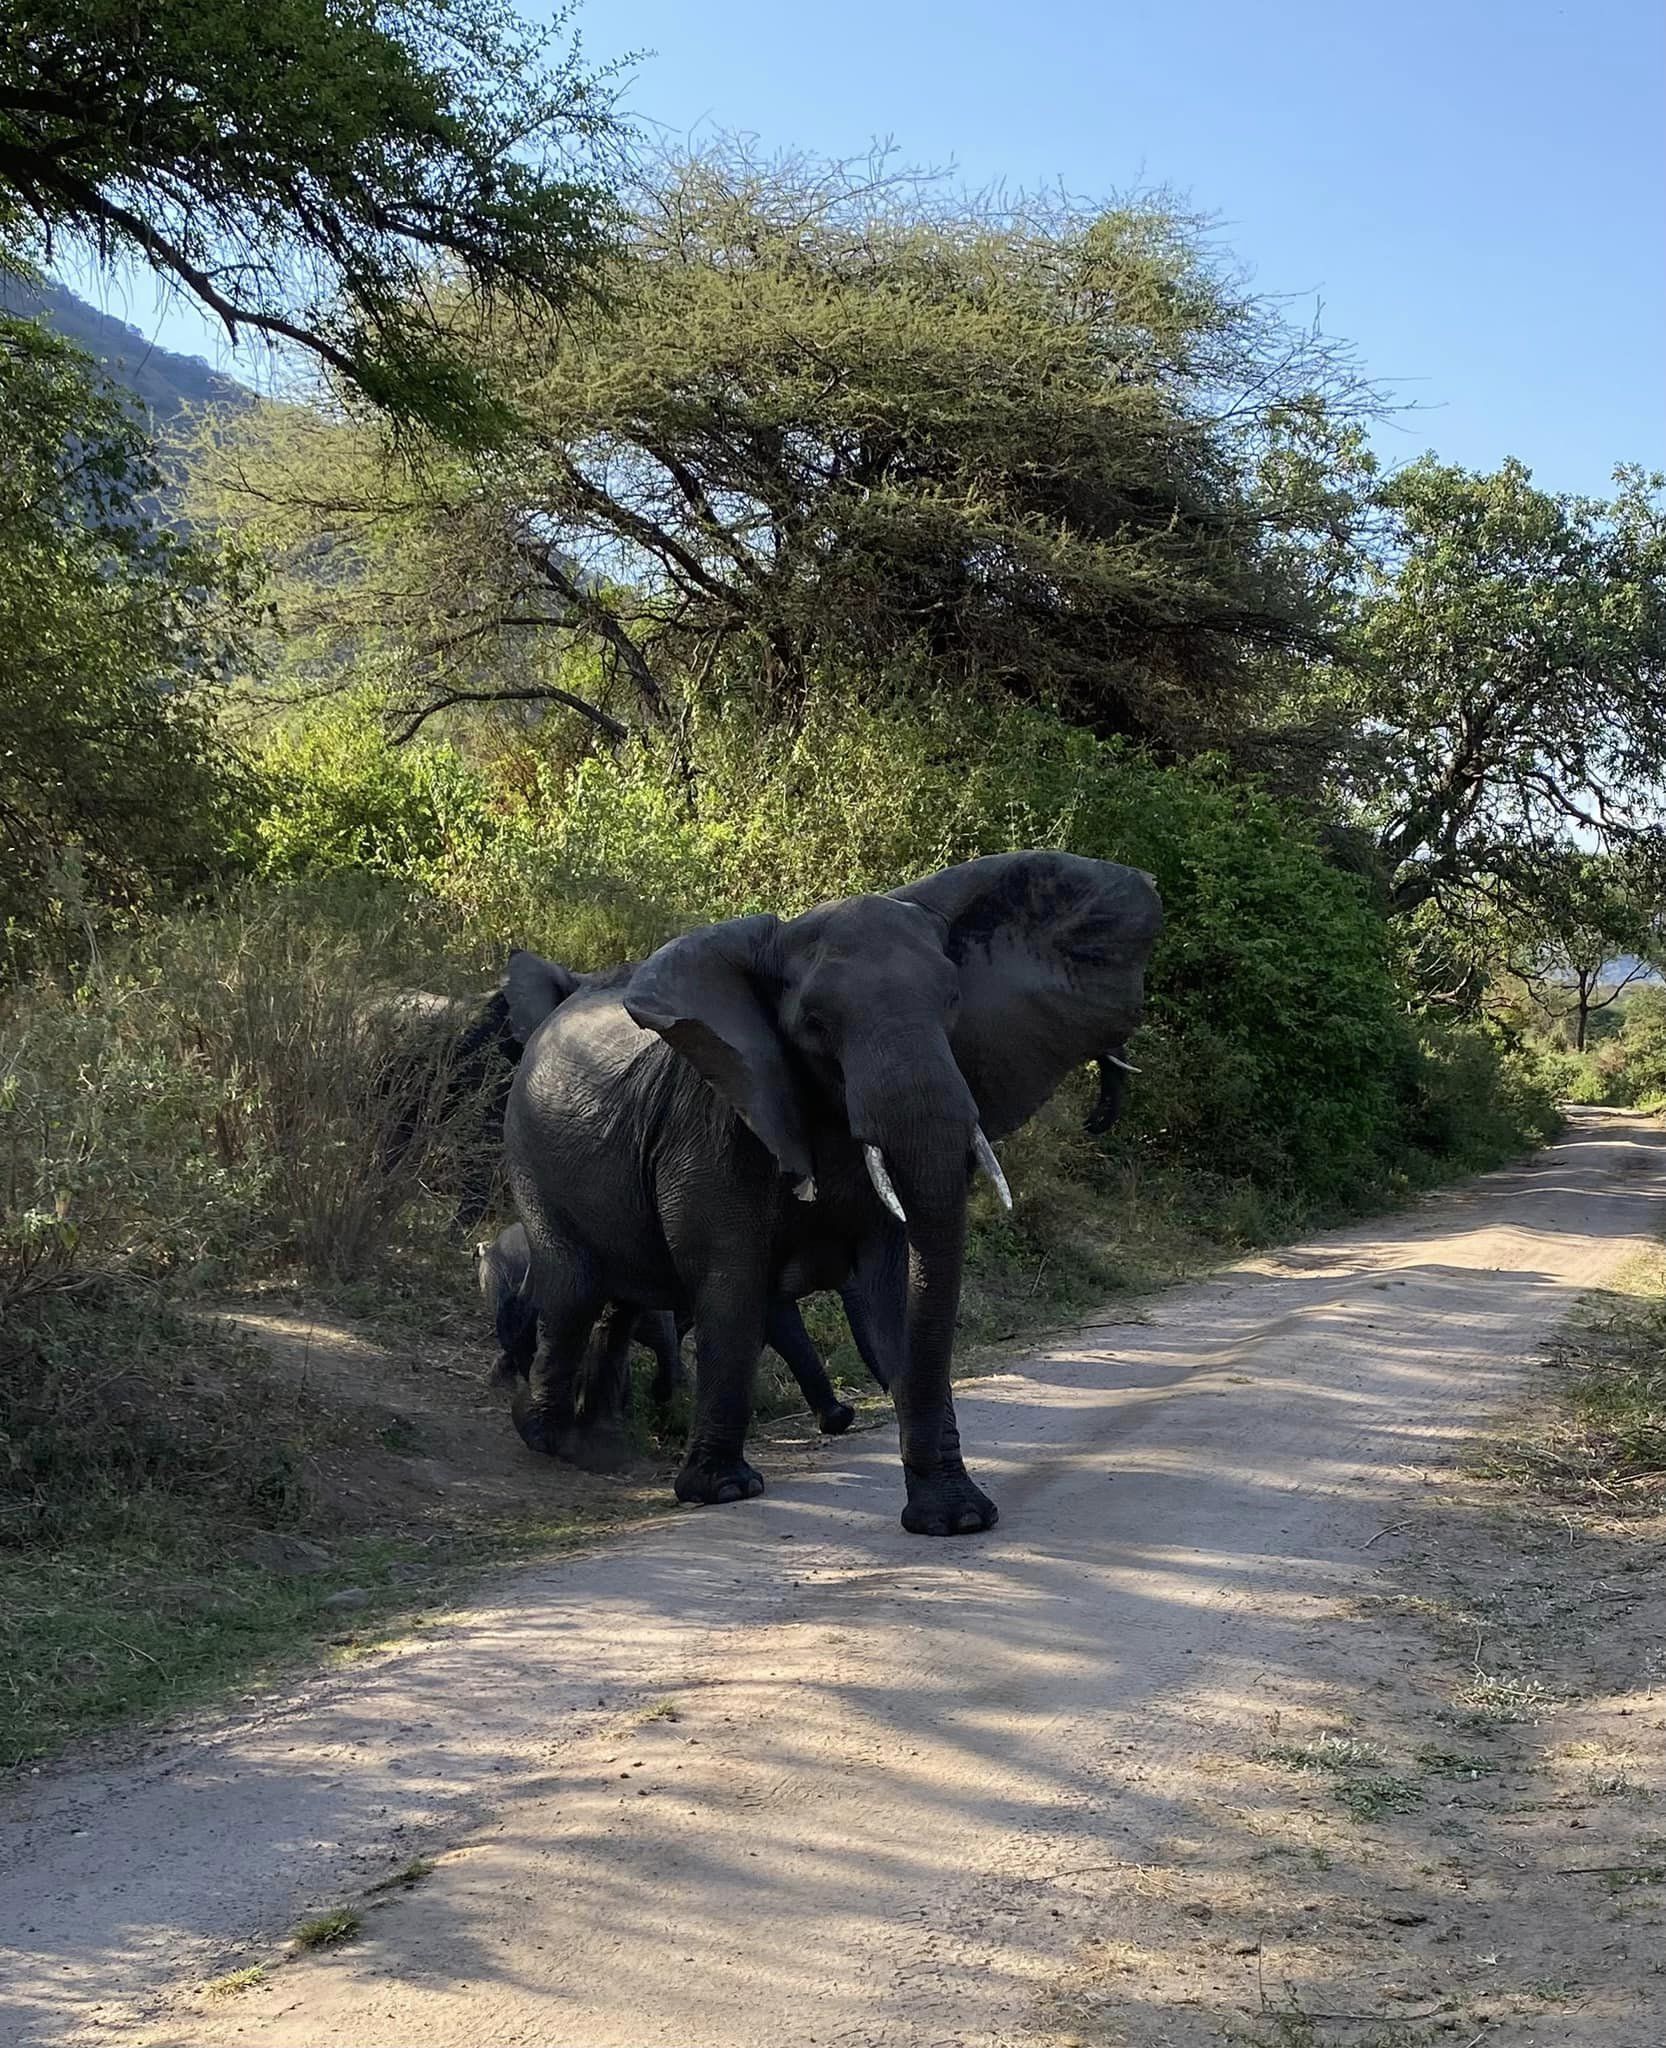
<point x="532" y="988"/>
<point x="1051" y="950"/>
<point x="709" y="995"/>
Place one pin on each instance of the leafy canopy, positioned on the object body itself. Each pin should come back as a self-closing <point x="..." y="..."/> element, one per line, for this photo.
<point x="301" y="166"/>
<point x="831" y="421"/>
<point x="1513" y="644"/>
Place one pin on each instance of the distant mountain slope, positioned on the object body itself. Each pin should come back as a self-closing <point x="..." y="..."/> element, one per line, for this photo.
<point x="165" y="383"/>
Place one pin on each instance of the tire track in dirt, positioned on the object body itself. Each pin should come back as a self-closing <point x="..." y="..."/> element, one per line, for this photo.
<point x="904" y="1781"/>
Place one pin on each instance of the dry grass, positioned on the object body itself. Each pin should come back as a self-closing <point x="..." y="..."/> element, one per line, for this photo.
<point x="1603" y="1445"/>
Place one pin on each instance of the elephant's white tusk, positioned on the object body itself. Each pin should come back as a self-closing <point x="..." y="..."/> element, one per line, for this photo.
<point x="991" y="1165"/>
<point x="1111" y="1060"/>
<point x="806" y="1188"/>
<point x="882" y="1182"/>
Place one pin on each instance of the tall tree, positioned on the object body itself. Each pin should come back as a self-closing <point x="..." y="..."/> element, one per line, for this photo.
<point x="305" y="168"/>
<point x="836" y="422"/>
<point x="1512" y="650"/>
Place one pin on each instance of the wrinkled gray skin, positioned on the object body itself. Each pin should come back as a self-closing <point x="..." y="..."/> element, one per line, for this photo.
<point x="667" y="1123"/>
<point x="504" y="1271"/>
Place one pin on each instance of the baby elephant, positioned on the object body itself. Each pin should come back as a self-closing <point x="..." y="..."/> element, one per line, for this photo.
<point x="504" y="1270"/>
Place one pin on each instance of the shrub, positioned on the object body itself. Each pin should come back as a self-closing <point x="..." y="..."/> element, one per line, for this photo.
<point x="1471" y="1102"/>
<point x="1278" y="1052"/>
<point x="226" y="1091"/>
<point x="1643" y="1047"/>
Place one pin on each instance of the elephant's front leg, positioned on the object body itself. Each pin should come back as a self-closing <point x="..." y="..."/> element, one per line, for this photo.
<point x="943" y="1497"/>
<point x="728" y="1336"/>
<point x="903" y="1300"/>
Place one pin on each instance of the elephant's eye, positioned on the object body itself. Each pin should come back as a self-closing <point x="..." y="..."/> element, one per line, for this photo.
<point x="815" y="1033"/>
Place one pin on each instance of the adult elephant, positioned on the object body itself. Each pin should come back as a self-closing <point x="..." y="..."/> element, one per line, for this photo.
<point x="765" y="1108"/>
<point x="530" y="991"/>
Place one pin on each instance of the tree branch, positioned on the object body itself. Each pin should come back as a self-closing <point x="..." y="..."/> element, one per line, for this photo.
<point x="596" y="614"/>
<point x="543" y="693"/>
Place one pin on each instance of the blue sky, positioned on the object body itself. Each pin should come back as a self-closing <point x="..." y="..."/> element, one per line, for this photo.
<point x="1476" y="193"/>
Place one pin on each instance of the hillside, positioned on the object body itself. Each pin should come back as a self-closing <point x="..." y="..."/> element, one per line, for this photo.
<point x="165" y="383"/>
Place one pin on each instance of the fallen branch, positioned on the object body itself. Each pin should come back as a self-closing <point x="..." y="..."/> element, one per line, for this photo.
<point x="1363" y="2019"/>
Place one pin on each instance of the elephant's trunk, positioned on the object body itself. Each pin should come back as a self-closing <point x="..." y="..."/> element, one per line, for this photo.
<point x="912" y="1107"/>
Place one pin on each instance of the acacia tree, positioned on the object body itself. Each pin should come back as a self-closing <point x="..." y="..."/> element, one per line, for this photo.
<point x="1512" y="694"/>
<point x="302" y="166"/>
<point x="835" y="423"/>
<point x="1596" y="928"/>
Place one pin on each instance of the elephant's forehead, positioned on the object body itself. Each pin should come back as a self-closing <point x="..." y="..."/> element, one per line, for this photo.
<point x="859" y="924"/>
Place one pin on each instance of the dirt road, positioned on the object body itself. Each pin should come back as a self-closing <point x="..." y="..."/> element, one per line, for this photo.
<point x="781" y="1773"/>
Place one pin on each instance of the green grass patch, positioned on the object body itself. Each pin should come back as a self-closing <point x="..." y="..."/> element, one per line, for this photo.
<point x="329" y="1930"/>
<point x="235" y="1981"/>
<point x="1604" y="1444"/>
<point x="1447" y="1763"/>
<point x="1375" y="1798"/>
<point x="167" y="1526"/>
<point x="94" y="1635"/>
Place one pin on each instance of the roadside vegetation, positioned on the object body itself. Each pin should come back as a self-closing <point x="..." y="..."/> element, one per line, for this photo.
<point x="1599" y="1442"/>
<point x="841" y="527"/>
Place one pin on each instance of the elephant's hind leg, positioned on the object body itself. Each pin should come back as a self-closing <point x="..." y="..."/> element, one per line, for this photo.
<point x="657" y="1329"/>
<point x="546" y="1402"/>
<point x="790" y="1341"/>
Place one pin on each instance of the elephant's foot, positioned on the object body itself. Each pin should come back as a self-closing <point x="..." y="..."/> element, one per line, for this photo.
<point x="946" y="1503"/>
<point x="715" y="1482"/>
<point x="541" y="1426"/>
<point x="595" y="1447"/>
<point x="835" y="1419"/>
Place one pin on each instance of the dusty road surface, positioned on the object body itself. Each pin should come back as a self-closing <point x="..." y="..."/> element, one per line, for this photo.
<point x="782" y="1774"/>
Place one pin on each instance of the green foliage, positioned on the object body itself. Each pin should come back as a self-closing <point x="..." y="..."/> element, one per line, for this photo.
<point x="114" y="635"/>
<point x="1472" y="1101"/>
<point x="340" y="799"/>
<point x="1277" y="1053"/>
<point x="1514" y="642"/>
<point x="298" y="164"/>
